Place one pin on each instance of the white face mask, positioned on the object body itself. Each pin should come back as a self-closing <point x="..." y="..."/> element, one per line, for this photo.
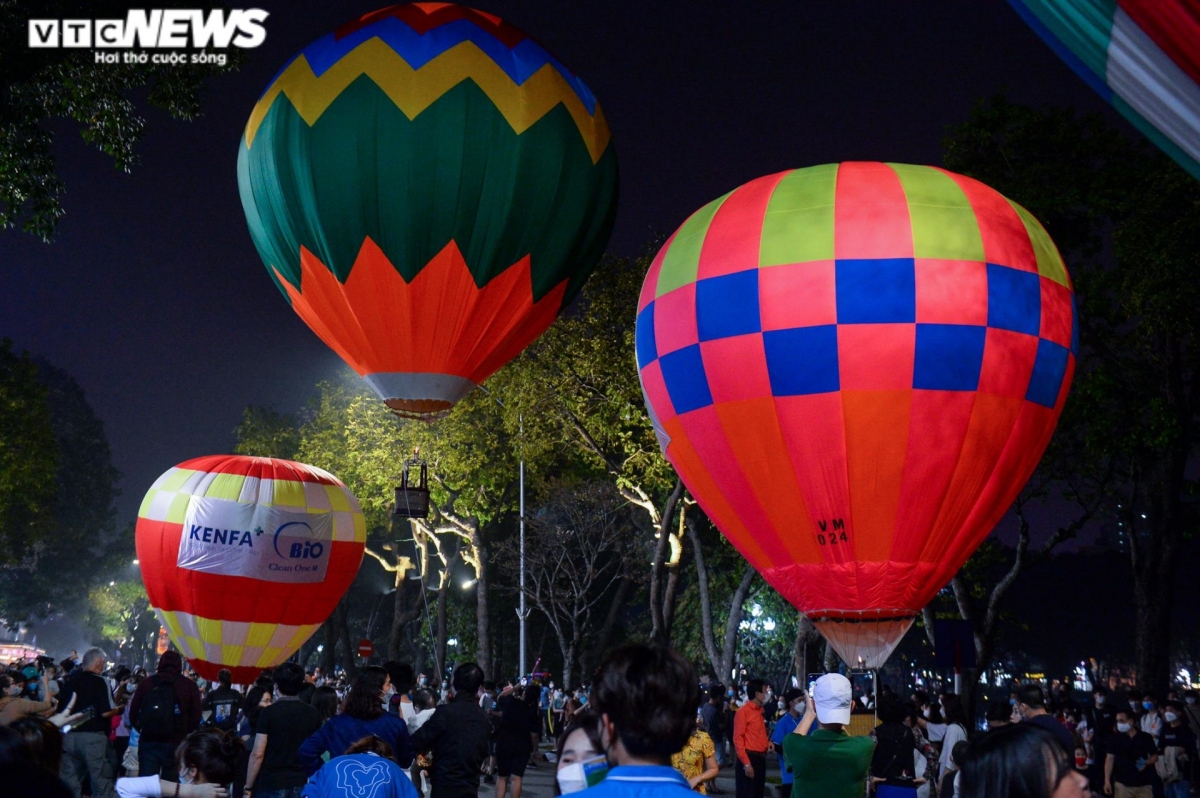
<point x="581" y="775"/>
<point x="1099" y="700"/>
<point x="186" y="777"/>
<point x="925" y="712"/>
<point x="1170" y="716"/>
<point x="1124" y="728"/>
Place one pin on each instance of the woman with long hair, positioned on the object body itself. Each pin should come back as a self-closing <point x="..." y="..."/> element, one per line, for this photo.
<point x="362" y="716"/>
<point x="1020" y="761"/>
<point x="207" y="761"/>
<point x="325" y="701"/>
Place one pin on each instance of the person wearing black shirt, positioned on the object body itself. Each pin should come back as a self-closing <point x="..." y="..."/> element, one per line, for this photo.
<point x="457" y="734"/>
<point x="222" y="703"/>
<point x="1129" y="764"/>
<point x="275" y="768"/>
<point x="86" y="749"/>
<point x="1177" y="746"/>
<point x="518" y="724"/>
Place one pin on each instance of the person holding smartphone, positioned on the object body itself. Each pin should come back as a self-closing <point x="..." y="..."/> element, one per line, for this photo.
<point x="829" y="763"/>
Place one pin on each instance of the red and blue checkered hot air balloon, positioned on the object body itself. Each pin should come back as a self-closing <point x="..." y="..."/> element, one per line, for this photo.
<point x="855" y="368"/>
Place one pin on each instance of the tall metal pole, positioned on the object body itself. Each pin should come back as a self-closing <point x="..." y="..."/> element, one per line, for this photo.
<point x="522" y="612"/>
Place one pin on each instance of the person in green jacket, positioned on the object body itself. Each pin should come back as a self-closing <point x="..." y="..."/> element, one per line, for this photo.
<point x="829" y="763"/>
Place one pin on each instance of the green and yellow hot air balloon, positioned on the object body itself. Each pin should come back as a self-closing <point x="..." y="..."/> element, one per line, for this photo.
<point x="429" y="187"/>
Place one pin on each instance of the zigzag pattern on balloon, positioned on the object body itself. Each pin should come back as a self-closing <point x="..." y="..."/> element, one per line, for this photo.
<point x="519" y="62"/>
<point x="414" y="90"/>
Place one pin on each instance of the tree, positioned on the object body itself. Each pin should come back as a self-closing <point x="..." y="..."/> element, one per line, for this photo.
<point x="578" y="391"/>
<point x="578" y="548"/>
<point x="119" y="611"/>
<point x="45" y="84"/>
<point x="735" y="577"/>
<point x="265" y="432"/>
<point x="1127" y="221"/>
<point x="80" y="546"/>
<point x="28" y="457"/>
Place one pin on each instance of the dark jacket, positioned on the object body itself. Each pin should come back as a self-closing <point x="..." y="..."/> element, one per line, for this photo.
<point x="457" y="734"/>
<point x="187" y="696"/>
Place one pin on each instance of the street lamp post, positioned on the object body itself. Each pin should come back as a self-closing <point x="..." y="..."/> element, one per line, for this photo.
<point x="522" y="613"/>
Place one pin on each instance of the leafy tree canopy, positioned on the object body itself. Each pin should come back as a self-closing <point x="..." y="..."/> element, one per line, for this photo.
<point x="44" y="85"/>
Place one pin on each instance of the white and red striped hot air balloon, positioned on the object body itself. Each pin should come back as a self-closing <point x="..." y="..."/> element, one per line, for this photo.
<point x="245" y="557"/>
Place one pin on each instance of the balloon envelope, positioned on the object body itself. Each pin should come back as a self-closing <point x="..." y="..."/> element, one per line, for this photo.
<point x="428" y="187"/>
<point x="855" y="368"/>
<point x="245" y="557"/>
<point x="1142" y="56"/>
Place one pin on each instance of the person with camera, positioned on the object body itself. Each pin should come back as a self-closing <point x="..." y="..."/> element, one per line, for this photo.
<point x="829" y="763"/>
<point x="86" y="749"/>
<point x="165" y="709"/>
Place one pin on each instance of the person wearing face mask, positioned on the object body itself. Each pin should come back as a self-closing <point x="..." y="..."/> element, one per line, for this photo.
<point x="1151" y="721"/>
<point x="1176" y="748"/>
<point x="750" y="742"/>
<point x="793" y="703"/>
<point x="362" y="715"/>
<point x="275" y="770"/>
<point x="580" y="762"/>
<point x="13" y="707"/>
<point x="1129" y="763"/>
<point x="206" y="762"/>
<point x="646" y="697"/>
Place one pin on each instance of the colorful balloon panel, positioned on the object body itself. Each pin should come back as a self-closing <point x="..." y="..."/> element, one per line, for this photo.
<point x="1142" y="56"/>
<point x="245" y="557"/>
<point x="428" y="187"/>
<point x="855" y="368"/>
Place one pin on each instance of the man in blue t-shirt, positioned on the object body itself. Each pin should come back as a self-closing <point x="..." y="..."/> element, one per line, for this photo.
<point x="793" y="701"/>
<point x="646" y="698"/>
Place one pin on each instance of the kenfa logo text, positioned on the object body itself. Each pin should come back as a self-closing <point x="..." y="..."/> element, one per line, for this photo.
<point x="155" y="28"/>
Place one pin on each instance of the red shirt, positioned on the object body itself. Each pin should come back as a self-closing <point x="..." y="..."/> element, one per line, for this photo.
<point x="749" y="731"/>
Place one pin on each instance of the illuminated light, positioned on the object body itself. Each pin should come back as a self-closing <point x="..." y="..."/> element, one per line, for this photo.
<point x="135" y="562"/>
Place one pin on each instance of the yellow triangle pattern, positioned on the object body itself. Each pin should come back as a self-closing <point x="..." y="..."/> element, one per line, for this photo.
<point x="414" y="90"/>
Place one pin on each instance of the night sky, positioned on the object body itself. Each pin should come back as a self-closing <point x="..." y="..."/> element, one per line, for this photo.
<point x="155" y="300"/>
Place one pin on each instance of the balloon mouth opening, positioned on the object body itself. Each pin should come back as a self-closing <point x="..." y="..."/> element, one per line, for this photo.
<point x="419" y="409"/>
<point x="864" y="639"/>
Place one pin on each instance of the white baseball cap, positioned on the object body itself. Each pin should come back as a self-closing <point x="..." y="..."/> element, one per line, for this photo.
<point x="832" y="696"/>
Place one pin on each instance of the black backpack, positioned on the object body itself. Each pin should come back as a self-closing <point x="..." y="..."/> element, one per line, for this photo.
<point x="161" y="716"/>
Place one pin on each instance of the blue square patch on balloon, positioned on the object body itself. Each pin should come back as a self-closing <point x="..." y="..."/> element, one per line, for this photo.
<point x="1048" y="371"/>
<point x="1014" y="300"/>
<point x="687" y="384"/>
<point x="727" y="305"/>
<point x="949" y="357"/>
<point x="880" y="291"/>
<point x="802" y="361"/>
<point x="644" y="341"/>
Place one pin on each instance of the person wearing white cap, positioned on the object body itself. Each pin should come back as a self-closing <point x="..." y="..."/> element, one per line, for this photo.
<point x="829" y="763"/>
